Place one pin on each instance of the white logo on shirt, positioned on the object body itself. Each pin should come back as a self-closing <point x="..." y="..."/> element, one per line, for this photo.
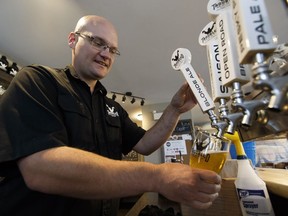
<point x="111" y="111"/>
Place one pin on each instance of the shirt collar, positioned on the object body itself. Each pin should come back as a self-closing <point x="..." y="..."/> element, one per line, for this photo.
<point x="99" y="87"/>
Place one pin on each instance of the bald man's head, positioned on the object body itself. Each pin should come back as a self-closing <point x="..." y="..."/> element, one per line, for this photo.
<point x="92" y="20"/>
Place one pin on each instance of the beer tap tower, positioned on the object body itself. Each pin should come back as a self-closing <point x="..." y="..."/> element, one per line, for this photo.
<point x="240" y="41"/>
<point x="235" y="74"/>
<point x="255" y="45"/>
<point x="220" y="92"/>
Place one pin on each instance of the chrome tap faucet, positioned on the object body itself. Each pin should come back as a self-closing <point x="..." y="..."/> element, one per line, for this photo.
<point x="266" y="80"/>
<point x="248" y="107"/>
<point x="217" y="123"/>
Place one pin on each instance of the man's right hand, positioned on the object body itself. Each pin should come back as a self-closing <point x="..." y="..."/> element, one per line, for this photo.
<point x="197" y="188"/>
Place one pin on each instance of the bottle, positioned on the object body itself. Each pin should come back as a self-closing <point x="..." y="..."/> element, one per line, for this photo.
<point x="251" y="191"/>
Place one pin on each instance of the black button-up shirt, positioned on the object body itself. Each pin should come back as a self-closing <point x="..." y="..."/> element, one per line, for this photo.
<point x="45" y="108"/>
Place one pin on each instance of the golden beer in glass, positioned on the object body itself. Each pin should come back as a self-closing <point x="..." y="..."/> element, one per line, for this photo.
<point x="209" y="152"/>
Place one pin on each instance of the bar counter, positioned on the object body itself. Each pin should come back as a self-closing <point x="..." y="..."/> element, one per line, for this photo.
<point x="227" y="202"/>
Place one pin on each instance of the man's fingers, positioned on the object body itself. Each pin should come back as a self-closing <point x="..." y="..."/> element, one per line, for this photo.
<point x="207" y="177"/>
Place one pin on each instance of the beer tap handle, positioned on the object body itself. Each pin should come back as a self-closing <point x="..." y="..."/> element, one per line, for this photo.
<point x="232" y="71"/>
<point x="180" y="60"/>
<point x="254" y="30"/>
<point x="208" y="39"/>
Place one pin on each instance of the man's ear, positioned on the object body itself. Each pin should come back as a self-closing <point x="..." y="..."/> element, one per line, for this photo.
<point x="72" y="40"/>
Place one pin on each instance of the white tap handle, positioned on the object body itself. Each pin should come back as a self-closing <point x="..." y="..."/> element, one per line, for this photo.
<point x="214" y="7"/>
<point x="180" y="60"/>
<point x="231" y="70"/>
<point x="219" y="91"/>
<point x="208" y="38"/>
<point x="254" y="31"/>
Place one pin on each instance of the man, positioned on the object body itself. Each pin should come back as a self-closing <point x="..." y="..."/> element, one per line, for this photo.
<point x="60" y="149"/>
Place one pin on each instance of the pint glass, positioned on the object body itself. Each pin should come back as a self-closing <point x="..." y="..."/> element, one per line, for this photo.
<point x="209" y="152"/>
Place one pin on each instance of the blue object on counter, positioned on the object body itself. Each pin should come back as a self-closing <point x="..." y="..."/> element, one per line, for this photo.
<point x="249" y="148"/>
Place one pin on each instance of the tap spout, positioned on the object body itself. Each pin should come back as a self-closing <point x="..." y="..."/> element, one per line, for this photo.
<point x="220" y="125"/>
<point x="277" y="86"/>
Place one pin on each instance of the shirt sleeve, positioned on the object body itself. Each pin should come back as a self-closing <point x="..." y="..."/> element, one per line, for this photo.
<point x="132" y="133"/>
<point x="30" y="120"/>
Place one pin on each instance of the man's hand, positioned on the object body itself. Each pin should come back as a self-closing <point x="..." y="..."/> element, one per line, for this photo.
<point x="184" y="99"/>
<point x="190" y="186"/>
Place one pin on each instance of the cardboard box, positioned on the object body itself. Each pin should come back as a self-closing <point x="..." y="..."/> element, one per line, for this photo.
<point x="226" y="204"/>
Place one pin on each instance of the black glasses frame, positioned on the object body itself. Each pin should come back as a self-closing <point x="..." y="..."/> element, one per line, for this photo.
<point x="99" y="43"/>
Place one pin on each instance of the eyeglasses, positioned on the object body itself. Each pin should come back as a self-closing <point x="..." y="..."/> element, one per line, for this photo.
<point x="99" y="43"/>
